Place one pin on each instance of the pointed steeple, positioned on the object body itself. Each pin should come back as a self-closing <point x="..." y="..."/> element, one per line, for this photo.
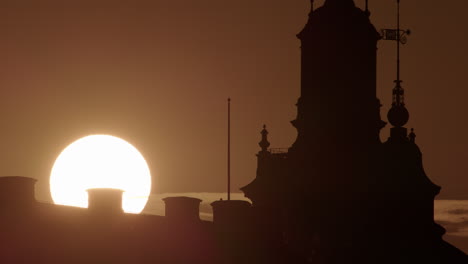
<point x="398" y="115"/>
<point x="264" y="144"/>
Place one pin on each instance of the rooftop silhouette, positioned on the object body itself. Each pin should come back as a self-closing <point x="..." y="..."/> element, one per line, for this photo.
<point x="337" y="195"/>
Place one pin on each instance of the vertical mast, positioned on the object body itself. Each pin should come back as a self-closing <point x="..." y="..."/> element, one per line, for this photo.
<point x="398" y="115"/>
<point x="398" y="41"/>
<point x="398" y="92"/>
<point x="229" y="152"/>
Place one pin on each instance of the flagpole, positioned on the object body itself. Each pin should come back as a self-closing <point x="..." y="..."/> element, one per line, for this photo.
<point x="398" y="41"/>
<point x="229" y="152"/>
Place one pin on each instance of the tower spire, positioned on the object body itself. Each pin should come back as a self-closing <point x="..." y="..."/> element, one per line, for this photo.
<point x="398" y="41"/>
<point x="398" y="92"/>
<point x="398" y="115"/>
<point x="264" y="144"/>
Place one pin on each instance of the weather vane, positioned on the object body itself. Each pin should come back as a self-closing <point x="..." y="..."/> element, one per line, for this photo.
<point x="398" y="35"/>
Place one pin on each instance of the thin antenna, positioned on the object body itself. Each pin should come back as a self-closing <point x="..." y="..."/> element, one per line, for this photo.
<point x="229" y="152"/>
<point x="367" y="7"/>
<point x="398" y="41"/>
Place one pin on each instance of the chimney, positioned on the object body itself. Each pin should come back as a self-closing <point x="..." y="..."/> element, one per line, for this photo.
<point x="17" y="192"/>
<point x="182" y="209"/>
<point x="105" y="201"/>
<point x="231" y="213"/>
<point x="233" y="230"/>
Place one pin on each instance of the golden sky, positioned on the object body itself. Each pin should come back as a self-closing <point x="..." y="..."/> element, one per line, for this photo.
<point x="157" y="74"/>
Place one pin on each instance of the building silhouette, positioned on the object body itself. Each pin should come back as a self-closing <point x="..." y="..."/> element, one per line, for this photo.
<point x="337" y="195"/>
<point x="34" y="232"/>
<point x="345" y="196"/>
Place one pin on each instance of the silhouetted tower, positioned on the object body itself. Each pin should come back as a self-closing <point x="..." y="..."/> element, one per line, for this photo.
<point x="271" y="167"/>
<point x="338" y="122"/>
<point x="344" y="196"/>
<point x="326" y="172"/>
<point x="338" y="113"/>
<point x="405" y="188"/>
<point x="338" y="90"/>
<point x="398" y="115"/>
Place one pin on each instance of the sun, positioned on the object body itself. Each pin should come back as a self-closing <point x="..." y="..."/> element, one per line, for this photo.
<point x="100" y="161"/>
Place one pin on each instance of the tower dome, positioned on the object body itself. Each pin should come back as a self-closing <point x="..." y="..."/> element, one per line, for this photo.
<point x="398" y="115"/>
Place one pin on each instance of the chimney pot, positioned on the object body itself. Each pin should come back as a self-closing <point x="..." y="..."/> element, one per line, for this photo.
<point x="186" y="209"/>
<point x="105" y="200"/>
<point x="17" y="192"/>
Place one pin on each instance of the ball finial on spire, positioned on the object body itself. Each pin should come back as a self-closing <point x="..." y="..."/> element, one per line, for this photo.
<point x="398" y="115"/>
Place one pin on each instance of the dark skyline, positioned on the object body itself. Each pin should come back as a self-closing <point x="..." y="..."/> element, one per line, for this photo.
<point x="137" y="70"/>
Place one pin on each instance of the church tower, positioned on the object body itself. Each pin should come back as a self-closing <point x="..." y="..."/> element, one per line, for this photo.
<point x="405" y="189"/>
<point x="342" y="194"/>
<point x="338" y="123"/>
<point x="338" y="84"/>
<point x="338" y="113"/>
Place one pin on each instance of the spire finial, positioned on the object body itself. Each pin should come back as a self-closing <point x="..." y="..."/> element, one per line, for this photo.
<point x="398" y="114"/>
<point x="264" y="144"/>
<point x="412" y="136"/>
<point x="367" y="8"/>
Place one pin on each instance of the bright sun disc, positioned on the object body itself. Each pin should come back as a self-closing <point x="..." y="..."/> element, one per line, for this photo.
<point x="100" y="161"/>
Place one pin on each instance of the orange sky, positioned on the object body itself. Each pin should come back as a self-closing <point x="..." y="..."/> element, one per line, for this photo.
<point x="157" y="74"/>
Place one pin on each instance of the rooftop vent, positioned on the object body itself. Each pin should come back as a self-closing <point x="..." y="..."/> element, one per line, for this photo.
<point x="17" y="192"/>
<point x="105" y="200"/>
<point x="182" y="208"/>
